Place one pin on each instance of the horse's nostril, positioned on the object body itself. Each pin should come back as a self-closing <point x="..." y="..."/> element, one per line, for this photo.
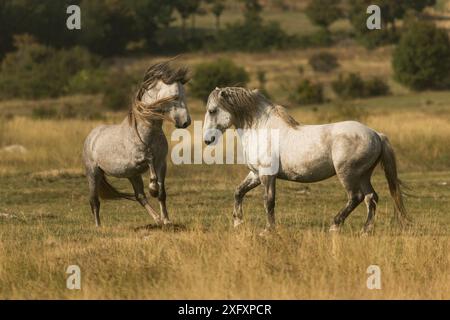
<point x="208" y="142"/>
<point x="185" y="125"/>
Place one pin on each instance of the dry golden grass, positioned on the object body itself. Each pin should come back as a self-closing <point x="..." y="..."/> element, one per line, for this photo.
<point x="46" y="225"/>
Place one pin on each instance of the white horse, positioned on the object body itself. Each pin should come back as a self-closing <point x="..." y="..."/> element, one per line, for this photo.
<point x="305" y="153"/>
<point x="138" y="144"/>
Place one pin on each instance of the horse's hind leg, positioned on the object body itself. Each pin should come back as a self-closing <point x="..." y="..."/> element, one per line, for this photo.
<point x="355" y="197"/>
<point x="138" y="187"/>
<point x="94" y="177"/>
<point x="371" y="200"/>
<point x="269" y="183"/>
<point x="249" y="183"/>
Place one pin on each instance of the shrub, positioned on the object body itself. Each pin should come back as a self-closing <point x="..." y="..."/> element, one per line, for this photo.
<point x="350" y="86"/>
<point x="422" y="58"/>
<point x="87" y="81"/>
<point x="220" y="73"/>
<point x="118" y="90"/>
<point x="353" y="86"/>
<point x="376" y="87"/>
<point x="323" y="62"/>
<point x="324" y="12"/>
<point x="252" y="35"/>
<point x="320" y="38"/>
<point x="36" y="71"/>
<point x="307" y="92"/>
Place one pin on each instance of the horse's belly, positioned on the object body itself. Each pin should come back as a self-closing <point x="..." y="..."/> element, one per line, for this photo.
<point x="122" y="169"/>
<point x="307" y="174"/>
<point x="307" y="167"/>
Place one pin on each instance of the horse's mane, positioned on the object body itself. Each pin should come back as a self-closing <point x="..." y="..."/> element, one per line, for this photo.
<point x="165" y="72"/>
<point x="243" y="104"/>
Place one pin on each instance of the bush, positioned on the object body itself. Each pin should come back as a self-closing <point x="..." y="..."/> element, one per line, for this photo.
<point x="422" y="58"/>
<point x="87" y="81"/>
<point x="353" y="86"/>
<point x="118" y="90"/>
<point x="350" y="86"/>
<point x="220" y="73"/>
<point x="320" y="38"/>
<point x="36" y="71"/>
<point x="376" y="87"/>
<point x="252" y="36"/>
<point x="307" y="92"/>
<point x="323" y="62"/>
<point x="324" y="12"/>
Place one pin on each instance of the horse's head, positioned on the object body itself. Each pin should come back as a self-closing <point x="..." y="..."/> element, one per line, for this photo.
<point x="231" y="106"/>
<point x="163" y="87"/>
<point x="217" y="118"/>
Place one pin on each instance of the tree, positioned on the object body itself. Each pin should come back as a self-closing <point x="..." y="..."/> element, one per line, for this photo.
<point x="422" y="58"/>
<point x="219" y="73"/>
<point x="391" y="11"/>
<point x="186" y="8"/>
<point x="324" y="12"/>
<point x="151" y="15"/>
<point x="252" y="12"/>
<point x="45" y="20"/>
<point x="108" y="26"/>
<point x="217" y="8"/>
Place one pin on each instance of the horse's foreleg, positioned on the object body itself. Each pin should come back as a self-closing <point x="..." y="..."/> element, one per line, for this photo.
<point x="153" y="184"/>
<point x="249" y="183"/>
<point x="161" y="176"/>
<point x="269" y="200"/>
<point x="138" y="186"/>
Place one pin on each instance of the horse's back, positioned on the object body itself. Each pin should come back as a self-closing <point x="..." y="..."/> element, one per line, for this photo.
<point x="354" y="145"/>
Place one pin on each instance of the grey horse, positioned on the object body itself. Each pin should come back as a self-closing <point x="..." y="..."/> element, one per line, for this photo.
<point x="306" y="153"/>
<point x="131" y="148"/>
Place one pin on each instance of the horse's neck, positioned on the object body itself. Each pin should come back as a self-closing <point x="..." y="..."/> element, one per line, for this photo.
<point x="145" y="130"/>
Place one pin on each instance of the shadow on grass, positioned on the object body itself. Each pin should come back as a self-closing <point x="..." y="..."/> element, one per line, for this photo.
<point x="175" y="227"/>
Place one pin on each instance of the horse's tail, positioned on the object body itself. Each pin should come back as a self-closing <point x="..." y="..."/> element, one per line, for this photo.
<point x="107" y="191"/>
<point x="389" y="164"/>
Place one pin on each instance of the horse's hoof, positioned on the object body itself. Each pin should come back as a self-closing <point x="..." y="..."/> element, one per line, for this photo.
<point x="237" y="222"/>
<point x="334" y="228"/>
<point x="167" y="222"/>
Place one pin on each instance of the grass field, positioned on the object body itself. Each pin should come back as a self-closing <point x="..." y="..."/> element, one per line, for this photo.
<point x="46" y="225"/>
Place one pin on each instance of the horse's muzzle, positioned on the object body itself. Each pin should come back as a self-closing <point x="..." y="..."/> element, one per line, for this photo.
<point x="212" y="139"/>
<point x="183" y="125"/>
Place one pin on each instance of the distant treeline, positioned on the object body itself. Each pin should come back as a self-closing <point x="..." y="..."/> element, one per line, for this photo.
<point x="41" y="58"/>
<point x="111" y="27"/>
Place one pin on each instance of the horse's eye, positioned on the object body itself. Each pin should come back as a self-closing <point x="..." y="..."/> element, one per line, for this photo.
<point x="212" y="111"/>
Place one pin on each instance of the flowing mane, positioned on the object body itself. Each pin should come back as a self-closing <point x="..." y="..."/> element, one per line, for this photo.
<point x="243" y="104"/>
<point x="165" y="72"/>
<point x="162" y="71"/>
